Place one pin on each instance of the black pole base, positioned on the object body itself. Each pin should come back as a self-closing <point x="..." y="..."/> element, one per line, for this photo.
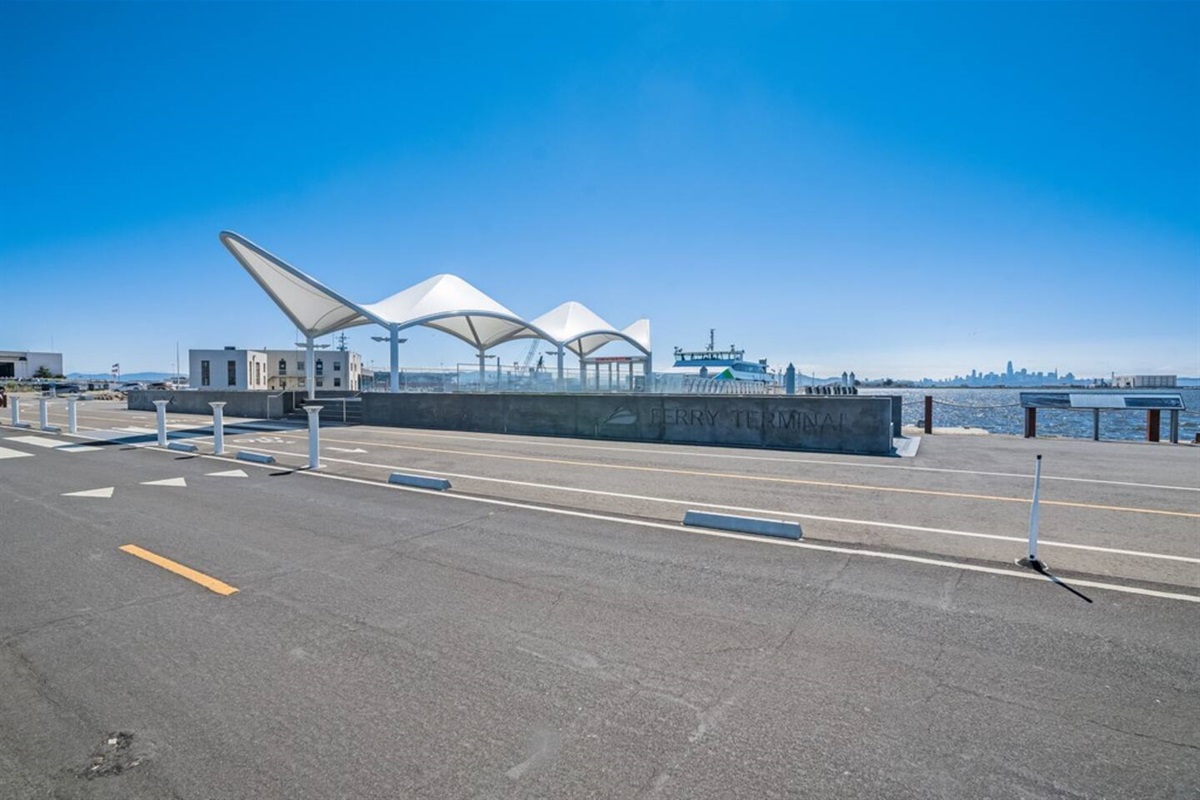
<point x="1032" y="563"/>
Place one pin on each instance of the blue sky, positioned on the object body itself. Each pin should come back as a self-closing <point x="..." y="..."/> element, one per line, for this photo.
<point x="901" y="189"/>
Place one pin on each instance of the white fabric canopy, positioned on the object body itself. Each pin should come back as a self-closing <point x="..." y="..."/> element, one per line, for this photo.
<point x="450" y="304"/>
<point x="314" y="308"/>
<point x="638" y="335"/>
<point x="583" y="331"/>
<point x="444" y="302"/>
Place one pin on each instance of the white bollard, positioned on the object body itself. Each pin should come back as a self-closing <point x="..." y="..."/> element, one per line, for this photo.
<point x="161" y="406"/>
<point x="72" y="422"/>
<point x="218" y="428"/>
<point x="314" y="436"/>
<point x="1032" y="560"/>
<point x="16" y="410"/>
<point x="42" y="419"/>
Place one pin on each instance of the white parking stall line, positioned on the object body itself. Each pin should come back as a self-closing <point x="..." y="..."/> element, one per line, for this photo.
<point x="7" y="453"/>
<point x="52" y="444"/>
<point x="767" y="512"/>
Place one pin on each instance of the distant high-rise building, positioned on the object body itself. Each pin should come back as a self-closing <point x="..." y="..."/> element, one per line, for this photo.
<point x="1009" y="371"/>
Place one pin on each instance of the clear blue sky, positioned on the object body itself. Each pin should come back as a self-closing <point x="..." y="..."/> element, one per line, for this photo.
<point x="900" y="190"/>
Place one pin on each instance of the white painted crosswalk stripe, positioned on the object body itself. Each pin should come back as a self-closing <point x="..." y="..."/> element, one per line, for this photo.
<point x="7" y="453"/>
<point x="52" y="444"/>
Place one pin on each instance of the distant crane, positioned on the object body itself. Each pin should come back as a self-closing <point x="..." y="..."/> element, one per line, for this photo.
<point x="533" y="346"/>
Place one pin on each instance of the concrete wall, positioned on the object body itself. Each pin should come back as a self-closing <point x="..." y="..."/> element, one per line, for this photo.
<point x="843" y="424"/>
<point x="238" y="404"/>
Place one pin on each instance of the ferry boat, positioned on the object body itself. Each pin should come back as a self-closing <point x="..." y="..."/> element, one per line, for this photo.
<point x="725" y="365"/>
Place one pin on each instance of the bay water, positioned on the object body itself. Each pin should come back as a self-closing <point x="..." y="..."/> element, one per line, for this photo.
<point x="999" y="411"/>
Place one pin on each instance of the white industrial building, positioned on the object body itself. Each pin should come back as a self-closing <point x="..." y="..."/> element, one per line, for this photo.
<point x="23" y="364"/>
<point x="234" y="369"/>
<point x="1145" y="381"/>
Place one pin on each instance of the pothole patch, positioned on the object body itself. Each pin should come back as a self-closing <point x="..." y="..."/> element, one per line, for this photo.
<point x="114" y="755"/>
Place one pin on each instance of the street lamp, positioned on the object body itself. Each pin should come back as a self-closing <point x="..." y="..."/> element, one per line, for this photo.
<point x="394" y="341"/>
<point x="310" y="365"/>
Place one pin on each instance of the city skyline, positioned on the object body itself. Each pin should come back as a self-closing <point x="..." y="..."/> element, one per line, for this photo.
<point x="893" y="189"/>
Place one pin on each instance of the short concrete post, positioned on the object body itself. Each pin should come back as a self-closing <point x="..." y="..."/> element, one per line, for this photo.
<point x="72" y="422"/>
<point x="16" y="410"/>
<point x="161" y="410"/>
<point x="218" y="428"/>
<point x="42" y="420"/>
<point x="314" y="436"/>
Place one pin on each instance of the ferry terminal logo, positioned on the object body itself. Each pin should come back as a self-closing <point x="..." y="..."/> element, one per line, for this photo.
<point x="621" y="416"/>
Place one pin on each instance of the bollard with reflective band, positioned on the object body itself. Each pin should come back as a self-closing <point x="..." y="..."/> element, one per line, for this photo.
<point x="218" y="428"/>
<point x="16" y="410"/>
<point x="43" y="422"/>
<point x="161" y="406"/>
<point x="314" y="436"/>
<point x="72" y="423"/>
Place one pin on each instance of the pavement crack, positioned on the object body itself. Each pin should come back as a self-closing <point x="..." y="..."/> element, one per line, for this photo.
<point x="1148" y="736"/>
<point x="12" y="638"/>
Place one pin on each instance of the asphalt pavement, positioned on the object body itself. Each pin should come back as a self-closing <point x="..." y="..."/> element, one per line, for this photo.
<point x="547" y="629"/>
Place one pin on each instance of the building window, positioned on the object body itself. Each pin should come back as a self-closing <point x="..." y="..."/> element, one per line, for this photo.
<point x="337" y="382"/>
<point x="283" y="366"/>
<point x="205" y="374"/>
<point x="337" y="366"/>
<point x="320" y="381"/>
<point x="232" y="368"/>
<point x="257" y="373"/>
<point x="320" y="366"/>
<point x="299" y="366"/>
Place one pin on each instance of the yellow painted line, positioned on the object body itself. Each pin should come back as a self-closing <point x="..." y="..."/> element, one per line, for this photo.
<point x="207" y="581"/>
<point x="770" y="479"/>
<point x="676" y="528"/>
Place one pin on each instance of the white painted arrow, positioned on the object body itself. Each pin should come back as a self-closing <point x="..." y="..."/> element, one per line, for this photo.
<point x="344" y="450"/>
<point x="91" y="493"/>
<point x="166" y="482"/>
<point x="230" y="473"/>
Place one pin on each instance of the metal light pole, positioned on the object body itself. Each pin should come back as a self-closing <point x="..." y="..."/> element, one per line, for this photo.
<point x="394" y="341"/>
<point x="310" y="364"/>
